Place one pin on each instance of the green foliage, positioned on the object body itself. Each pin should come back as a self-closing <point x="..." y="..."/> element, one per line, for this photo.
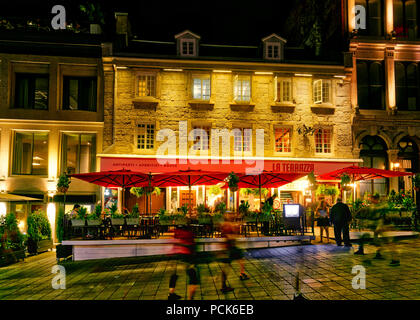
<point x="81" y="213"/>
<point x="93" y="13"/>
<point x="254" y="191"/>
<point x="233" y="180"/>
<point x="63" y="182"/>
<point x="10" y="235"/>
<point x="134" y="212"/>
<point x="92" y="216"/>
<point x="98" y="210"/>
<point x="266" y="210"/>
<point x="117" y="215"/>
<point x="220" y="208"/>
<point x="244" y="208"/>
<point x="401" y="200"/>
<point x="39" y="227"/>
<point x="345" y="179"/>
<point x="184" y="209"/>
<point x="140" y="191"/>
<point x="312" y="180"/>
<point x="215" y="190"/>
<point x="416" y="180"/>
<point x="326" y="190"/>
<point x="113" y="209"/>
<point x="202" y="209"/>
<point x="59" y="228"/>
<point x="162" y="212"/>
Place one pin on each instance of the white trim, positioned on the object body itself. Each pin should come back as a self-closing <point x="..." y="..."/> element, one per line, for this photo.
<point x="225" y="158"/>
<point x="194" y="47"/>
<point x="51" y="122"/>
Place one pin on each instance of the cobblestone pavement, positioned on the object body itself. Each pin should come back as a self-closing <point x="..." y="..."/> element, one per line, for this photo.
<point x="325" y="273"/>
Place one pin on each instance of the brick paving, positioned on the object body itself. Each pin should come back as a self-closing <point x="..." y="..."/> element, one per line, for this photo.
<point x="325" y="273"/>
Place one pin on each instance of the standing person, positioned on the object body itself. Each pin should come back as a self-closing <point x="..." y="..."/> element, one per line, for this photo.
<point x="323" y="219"/>
<point x="340" y="216"/>
<point x="186" y="248"/>
<point x="75" y="211"/>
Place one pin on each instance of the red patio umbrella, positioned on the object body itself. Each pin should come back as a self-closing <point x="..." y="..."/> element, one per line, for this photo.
<point x="188" y="178"/>
<point x="115" y="179"/>
<point x="362" y="173"/>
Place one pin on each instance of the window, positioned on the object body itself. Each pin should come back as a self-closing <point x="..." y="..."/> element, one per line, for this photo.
<point x="322" y="91"/>
<point x="273" y="50"/>
<point x="79" y="93"/>
<point x="242" y="88"/>
<point x="202" y="138"/>
<point x="370" y="85"/>
<point x="374" y="17"/>
<point x="78" y="153"/>
<point x="242" y="139"/>
<point x="405" y="18"/>
<point x="284" y="90"/>
<point x="187" y="47"/>
<point x="407" y="85"/>
<point x="145" y="136"/>
<point x="323" y="140"/>
<point x="373" y="151"/>
<point x="147" y="85"/>
<point x="201" y="88"/>
<point x="282" y="140"/>
<point x="31" y="91"/>
<point x="30" y="153"/>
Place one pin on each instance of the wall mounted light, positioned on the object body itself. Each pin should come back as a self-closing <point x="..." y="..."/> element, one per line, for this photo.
<point x="263" y="73"/>
<point x="223" y="71"/>
<point x="303" y="75"/>
<point x="173" y="70"/>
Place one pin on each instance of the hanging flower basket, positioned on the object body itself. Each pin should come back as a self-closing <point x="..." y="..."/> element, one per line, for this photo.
<point x="233" y="189"/>
<point x="62" y="189"/>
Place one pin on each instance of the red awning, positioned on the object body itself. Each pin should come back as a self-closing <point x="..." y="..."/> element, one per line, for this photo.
<point x="362" y="173"/>
<point x="267" y="179"/>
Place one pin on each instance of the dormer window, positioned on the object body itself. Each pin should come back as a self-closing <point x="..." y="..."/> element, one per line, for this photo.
<point x="187" y="47"/>
<point x="187" y="44"/>
<point x="273" y="51"/>
<point x="273" y="47"/>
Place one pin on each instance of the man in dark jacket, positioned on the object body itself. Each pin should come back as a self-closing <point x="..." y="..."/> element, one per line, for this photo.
<point x="340" y="216"/>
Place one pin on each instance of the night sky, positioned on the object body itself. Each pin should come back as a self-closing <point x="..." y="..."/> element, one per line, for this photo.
<point x="221" y="22"/>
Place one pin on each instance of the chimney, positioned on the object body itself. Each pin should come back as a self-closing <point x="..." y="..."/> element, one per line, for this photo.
<point x="122" y="26"/>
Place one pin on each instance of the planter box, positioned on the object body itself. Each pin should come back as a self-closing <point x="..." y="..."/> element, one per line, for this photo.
<point x="132" y="221"/>
<point x="204" y="220"/>
<point x="11" y="256"/>
<point x="77" y="223"/>
<point x="94" y="222"/>
<point x="40" y="246"/>
<point x="117" y="221"/>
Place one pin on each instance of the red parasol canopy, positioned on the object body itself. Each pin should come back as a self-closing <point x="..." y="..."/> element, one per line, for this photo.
<point x="115" y="179"/>
<point x="267" y="179"/>
<point x="362" y="173"/>
<point x="188" y="178"/>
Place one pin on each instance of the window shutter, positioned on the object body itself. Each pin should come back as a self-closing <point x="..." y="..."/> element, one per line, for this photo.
<point x="236" y="88"/>
<point x="317" y="91"/>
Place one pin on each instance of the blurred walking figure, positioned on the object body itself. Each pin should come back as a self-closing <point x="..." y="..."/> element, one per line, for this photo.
<point x="323" y="220"/>
<point x="230" y="231"/>
<point x="340" y="216"/>
<point x="374" y="216"/>
<point x="187" y="251"/>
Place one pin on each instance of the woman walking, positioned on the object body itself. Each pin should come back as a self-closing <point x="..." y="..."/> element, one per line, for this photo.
<point x="322" y="213"/>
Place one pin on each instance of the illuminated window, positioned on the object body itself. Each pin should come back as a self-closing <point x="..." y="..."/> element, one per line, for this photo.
<point x="405" y="19"/>
<point x="78" y="153"/>
<point x="30" y="153"/>
<point x="202" y="138"/>
<point x="147" y="86"/>
<point x="201" y="88"/>
<point x="242" y="88"/>
<point x="323" y="140"/>
<point x="322" y="91"/>
<point x="284" y="90"/>
<point x="242" y="139"/>
<point x="282" y="139"/>
<point x="145" y="136"/>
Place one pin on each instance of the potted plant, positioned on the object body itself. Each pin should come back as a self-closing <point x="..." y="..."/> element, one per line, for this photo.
<point x="265" y="217"/>
<point x="345" y="182"/>
<point x="133" y="217"/>
<point x="203" y="213"/>
<point x="93" y="220"/>
<point x="219" y="212"/>
<point x="63" y="183"/>
<point x="243" y="208"/>
<point x="416" y="182"/>
<point x="95" y="16"/>
<point x="312" y="181"/>
<point x="39" y="232"/>
<point x="251" y="216"/>
<point x="79" y="219"/>
<point x="11" y="240"/>
<point x="233" y="181"/>
<point x="164" y="218"/>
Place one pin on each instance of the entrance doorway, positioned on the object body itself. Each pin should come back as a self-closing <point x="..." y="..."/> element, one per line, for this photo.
<point x="185" y="196"/>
